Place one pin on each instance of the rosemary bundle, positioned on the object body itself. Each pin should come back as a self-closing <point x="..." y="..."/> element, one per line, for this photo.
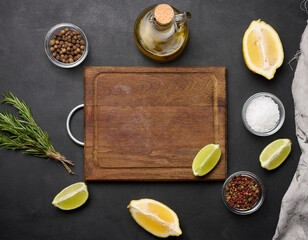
<point x="23" y="133"/>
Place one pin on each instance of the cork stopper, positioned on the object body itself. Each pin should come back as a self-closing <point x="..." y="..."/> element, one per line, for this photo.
<point x="163" y="14"/>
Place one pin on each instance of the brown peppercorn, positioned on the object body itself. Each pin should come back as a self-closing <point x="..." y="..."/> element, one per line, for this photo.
<point x="52" y="42"/>
<point x="67" y="45"/>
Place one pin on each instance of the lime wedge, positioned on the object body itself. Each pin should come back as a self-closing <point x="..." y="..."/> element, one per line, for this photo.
<point x="72" y="196"/>
<point x="275" y="153"/>
<point x="206" y="159"/>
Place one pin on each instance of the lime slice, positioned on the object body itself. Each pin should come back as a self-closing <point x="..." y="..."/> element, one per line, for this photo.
<point x="206" y="159"/>
<point x="72" y="196"/>
<point x="275" y="153"/>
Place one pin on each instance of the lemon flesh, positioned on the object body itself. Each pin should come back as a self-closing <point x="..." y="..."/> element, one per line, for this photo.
<point x="206" y="159"/>
<point x="275" y="153"/>
<point x="72" y="196"/>
<point x="155" y="217"/>
<point x="262" y="49"/>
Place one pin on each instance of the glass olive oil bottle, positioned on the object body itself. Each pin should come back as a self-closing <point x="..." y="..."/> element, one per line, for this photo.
<point x="161" y="32"/>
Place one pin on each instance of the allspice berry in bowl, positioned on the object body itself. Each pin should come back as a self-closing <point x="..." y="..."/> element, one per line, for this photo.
<point x="66" y="45"/>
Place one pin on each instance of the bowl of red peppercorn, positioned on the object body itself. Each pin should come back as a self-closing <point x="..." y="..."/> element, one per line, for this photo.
<point x="243" y="193"/>
<point x="66" y="45"/>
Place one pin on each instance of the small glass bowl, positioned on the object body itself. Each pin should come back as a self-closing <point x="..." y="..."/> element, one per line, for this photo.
<point x="49" y="36"/>
<point x="281" y="114"/>
<point x="257" y="205"/>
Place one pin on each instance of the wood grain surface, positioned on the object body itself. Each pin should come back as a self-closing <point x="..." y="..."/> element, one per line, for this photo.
<point x="148" y="123"/>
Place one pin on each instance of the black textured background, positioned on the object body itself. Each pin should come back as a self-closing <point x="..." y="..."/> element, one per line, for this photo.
<point x="29" y="184"/>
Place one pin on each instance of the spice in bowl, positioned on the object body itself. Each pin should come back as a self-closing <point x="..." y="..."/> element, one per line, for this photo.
<point x="243" y="193"/>
<point x="263" y="114"/>
<point x="67" y="45"/>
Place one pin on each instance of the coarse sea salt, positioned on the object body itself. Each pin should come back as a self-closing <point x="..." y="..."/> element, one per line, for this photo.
<point x="262" y="114"/>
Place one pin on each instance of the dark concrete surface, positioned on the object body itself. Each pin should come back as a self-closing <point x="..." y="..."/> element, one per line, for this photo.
<point x="29" y="184"/>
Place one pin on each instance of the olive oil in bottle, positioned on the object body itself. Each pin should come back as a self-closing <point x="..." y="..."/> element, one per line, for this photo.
<point x="161" y="32"/>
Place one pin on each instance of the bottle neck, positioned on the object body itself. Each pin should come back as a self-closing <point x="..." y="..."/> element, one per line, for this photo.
<point x="159" y="26"/>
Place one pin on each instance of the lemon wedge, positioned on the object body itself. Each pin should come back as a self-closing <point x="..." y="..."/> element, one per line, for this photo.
<point x="155" y="217"/>
<point x="72" y="196"/>
<point x="262" y="49"/>
<point x="206" y="159"/>
<point x="275" y="153"/>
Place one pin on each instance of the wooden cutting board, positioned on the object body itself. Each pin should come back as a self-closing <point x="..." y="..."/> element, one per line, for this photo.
<point x="148" y="123"/>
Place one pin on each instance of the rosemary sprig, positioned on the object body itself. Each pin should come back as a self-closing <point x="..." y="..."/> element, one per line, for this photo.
<point x="23" y="133"/>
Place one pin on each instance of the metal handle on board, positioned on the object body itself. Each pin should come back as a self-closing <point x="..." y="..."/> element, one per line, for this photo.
<point x="68" y="128"/>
